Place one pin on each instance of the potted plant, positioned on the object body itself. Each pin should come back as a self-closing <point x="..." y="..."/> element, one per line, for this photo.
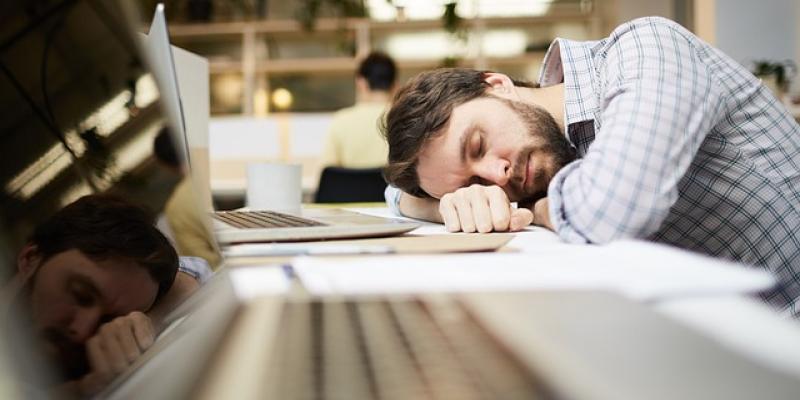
<point x="776" y="75"/>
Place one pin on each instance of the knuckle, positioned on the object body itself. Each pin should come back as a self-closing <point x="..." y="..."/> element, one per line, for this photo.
<point x="484" y="228"/>
<point x="502" y="223"/>
<point x="107" y="329"/>
<point x="132" y="356"/>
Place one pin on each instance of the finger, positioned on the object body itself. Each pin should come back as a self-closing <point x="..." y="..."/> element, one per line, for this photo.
<point x="520" y="218"/>
<point x="481" y="212"/>
<point x="97" y="359"/>
<point x="112" y="349"/>
<point x="465" y="217"/>
<point x="143" y="331"/>
<point x="501" y="210"/>
<point x="449" y="214"/>
<point x="127" y="341"/>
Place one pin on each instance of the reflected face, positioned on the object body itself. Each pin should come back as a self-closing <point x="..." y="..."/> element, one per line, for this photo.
<point x="494" y="141"/>
<point x="72" y="294"/>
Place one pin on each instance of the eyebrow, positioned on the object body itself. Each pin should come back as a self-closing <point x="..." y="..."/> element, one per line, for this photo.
<point x="464" y="141"/>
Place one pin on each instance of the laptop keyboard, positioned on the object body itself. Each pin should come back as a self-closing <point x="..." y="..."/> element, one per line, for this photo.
<point x="385" y="349"/>
<point x="263" y="219"/>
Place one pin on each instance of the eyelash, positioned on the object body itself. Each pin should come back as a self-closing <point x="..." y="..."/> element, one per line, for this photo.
<point x="479" y="151"/>
<point x="81" y="298"/>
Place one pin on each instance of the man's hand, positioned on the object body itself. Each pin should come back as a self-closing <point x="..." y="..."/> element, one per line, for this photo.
<point x="483" y="209"/>
<point x="541" y="214"/>
<point x="115" y="346"/>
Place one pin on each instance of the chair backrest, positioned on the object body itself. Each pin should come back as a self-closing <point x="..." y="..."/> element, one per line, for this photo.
<point x="350" y="185"/>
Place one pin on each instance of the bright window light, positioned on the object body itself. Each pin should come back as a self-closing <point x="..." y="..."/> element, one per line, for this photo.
<point x="382" y="10"/>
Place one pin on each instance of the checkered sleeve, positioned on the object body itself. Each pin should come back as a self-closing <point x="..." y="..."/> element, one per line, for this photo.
<point x="658" y="101"/>
<point x="196" y="267"/>
<point x="392" y="196"/>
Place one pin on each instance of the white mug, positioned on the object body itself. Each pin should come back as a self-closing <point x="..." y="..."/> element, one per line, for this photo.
<point x="274" y="186"/>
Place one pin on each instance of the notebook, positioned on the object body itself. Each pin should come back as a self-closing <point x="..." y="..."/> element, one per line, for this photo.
<point x="260" y="225"/>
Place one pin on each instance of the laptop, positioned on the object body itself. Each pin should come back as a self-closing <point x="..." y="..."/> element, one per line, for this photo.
<point x="512" y="345"/>
<point x="259" y="225"/>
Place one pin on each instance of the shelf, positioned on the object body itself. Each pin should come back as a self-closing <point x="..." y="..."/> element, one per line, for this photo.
<point x="242" y="48"/>
<point x="348" y="64"/>
<point x="332" y="25"/>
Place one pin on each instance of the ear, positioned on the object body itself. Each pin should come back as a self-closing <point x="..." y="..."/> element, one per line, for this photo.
<point x="501" y="85"/>
<point x="28" y="260"/>
<point x="362" y="86"/>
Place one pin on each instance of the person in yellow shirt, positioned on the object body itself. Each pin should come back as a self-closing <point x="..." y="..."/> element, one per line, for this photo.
<point x="354" y="139"/>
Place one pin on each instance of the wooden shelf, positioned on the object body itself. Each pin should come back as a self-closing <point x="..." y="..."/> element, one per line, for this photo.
<point x="347" y="64"/>
<point x="332" y="25"/>
<point x="248" y="40"/>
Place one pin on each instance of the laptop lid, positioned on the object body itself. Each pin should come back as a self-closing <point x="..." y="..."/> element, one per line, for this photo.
<point x="333" y="224"/>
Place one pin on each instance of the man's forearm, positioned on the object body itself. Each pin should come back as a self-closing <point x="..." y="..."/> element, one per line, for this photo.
<point x="415" y="207"/>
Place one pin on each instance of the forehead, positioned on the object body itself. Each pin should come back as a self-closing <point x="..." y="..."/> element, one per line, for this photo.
<point x="440" y="167"/>
<point x="123" y="286"/>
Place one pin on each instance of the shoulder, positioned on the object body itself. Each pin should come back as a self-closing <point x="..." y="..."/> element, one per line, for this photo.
<point x="344" y="113"/>
<point x="645" y="27"/>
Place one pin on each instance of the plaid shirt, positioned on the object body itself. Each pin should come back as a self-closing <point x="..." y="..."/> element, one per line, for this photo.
<point x="679" y="144"/>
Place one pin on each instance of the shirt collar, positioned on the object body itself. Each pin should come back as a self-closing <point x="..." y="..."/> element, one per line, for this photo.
<point x="571" y="62"/>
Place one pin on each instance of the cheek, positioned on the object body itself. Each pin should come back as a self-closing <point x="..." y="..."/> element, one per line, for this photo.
<point x="50" y="304"/>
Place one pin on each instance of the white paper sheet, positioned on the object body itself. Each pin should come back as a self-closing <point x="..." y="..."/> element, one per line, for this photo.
<point x="637" y="269"/>
<point x="250" y="282"/>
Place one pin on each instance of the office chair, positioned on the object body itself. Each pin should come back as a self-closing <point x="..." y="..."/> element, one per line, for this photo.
<point x="350" y="185"/>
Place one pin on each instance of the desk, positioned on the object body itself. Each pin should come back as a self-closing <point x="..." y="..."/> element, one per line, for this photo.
<point x="743" y="325"/>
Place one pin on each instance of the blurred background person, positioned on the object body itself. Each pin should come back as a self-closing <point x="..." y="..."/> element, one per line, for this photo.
<point x="354" y="140"/>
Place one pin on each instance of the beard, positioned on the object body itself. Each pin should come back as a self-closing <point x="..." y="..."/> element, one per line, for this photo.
<point x="548" y="142"/>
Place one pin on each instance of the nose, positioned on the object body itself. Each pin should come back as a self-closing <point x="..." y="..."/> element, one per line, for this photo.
<point x="494" y="170"/>
<point x="84" y="324"/>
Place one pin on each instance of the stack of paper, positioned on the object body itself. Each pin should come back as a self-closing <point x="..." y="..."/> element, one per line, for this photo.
<point x="638" y="269"/>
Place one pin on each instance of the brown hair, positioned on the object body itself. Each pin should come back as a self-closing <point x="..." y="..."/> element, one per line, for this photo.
<point x="106" y="227"/>
<point x="420" y="111"/>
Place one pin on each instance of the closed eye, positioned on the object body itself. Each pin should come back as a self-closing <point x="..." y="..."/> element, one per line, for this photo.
<point x="476" y="146"/>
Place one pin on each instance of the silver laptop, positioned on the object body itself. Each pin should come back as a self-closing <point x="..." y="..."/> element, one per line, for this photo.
<point x="525" y="345"/>
<point x="260" y="225"/>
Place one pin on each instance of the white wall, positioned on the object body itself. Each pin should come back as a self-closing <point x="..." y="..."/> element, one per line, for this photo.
<point x="237" y="141"/>
<point x="748" y="30"/>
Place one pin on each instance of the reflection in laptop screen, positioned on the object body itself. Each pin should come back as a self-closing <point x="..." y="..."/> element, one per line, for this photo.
<point x="80" y="115"/>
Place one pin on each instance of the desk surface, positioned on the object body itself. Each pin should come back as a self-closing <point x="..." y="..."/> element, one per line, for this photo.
<point x="739" y="322"/>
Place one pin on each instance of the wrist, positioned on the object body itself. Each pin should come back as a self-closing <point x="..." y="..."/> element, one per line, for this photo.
<point x="541" y="213"/>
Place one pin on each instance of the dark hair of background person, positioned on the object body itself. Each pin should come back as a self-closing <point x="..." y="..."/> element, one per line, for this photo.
<point x="107" y="227"/>
<point x="421" y="111"/>
<point x="164" y="149"/>
<point x="379" y="70"/>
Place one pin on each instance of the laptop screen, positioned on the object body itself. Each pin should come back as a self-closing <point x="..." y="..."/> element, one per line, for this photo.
<point x="80" y="115"/>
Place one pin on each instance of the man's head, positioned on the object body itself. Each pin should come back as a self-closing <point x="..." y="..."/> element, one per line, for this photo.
<point x="450" y="128"/>
<point x="96" y="259"/>
<point x="378" y="71"/>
